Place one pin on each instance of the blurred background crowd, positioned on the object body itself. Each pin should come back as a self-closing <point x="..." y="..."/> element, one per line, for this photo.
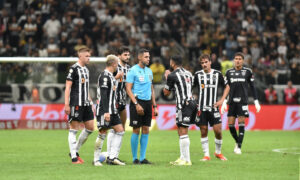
<point x="266" y="31"/>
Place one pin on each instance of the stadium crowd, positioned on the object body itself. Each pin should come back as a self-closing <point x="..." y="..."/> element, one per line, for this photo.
<point x="267" y="32"/>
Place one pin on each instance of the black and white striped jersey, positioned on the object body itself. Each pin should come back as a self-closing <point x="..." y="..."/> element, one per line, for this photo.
<point x="79" y="95"/>
<point x="208" y="84"/>
<point x="238" y="81"/>
<point x="181" y="81"/>
<point x="121" y="90"/>
<point x="106" y="93"/>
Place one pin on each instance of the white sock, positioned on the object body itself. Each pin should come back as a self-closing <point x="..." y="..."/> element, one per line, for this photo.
<point x="185" y="146"/>
<point x="109" y="140"/>
<point x="72" y="142"/>
<point x="205" y="146"/>
<point x="82" y="138"/>
<point x="116" y="144"/>
<point x="180" y="148"/>
<point x="120" y="146"/>
<point x="218" y="143"/>
<point x="98" y="146"/>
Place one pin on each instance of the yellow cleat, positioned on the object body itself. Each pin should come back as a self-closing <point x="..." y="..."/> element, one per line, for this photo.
<point x="180" y="162"/>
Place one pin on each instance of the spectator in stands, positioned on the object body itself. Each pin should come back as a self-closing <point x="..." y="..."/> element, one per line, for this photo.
<point x="271" y="95"/>
<point x="290" y="94"/>
<point x="52" y="27"/>
<point x="158" y="70"/>
<point x="30" y="28"/>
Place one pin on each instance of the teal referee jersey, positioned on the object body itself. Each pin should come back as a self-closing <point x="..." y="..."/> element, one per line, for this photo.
<point x="141" y="78"/>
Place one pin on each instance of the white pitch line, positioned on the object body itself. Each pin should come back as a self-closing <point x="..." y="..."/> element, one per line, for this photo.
<point x="286" y="150"/>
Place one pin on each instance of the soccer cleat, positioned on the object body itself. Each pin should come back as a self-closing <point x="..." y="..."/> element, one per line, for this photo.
<point x="115" y="161"/>
<point x="174" y="162"/>
<point x="78" y="157"/>
<point x="221" y="157"/>
<point x="97" y="163"/>
<point x="76" y="161"/>
<point x="180" y="162"/>
<point x="238" y="151"/>
<point x="145" y="161"/>
<point x="136" y="162"/>
<point x="235" y="147"/>
<point x="205" y="158"/>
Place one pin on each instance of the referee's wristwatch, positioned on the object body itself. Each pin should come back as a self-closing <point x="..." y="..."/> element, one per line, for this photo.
<point x="135" y="103"/>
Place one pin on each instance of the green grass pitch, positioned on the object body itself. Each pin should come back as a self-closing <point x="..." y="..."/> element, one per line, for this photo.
<point x="43" y="154"/>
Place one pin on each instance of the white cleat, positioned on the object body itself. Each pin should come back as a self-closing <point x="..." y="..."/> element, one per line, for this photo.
<point x="235" y="148"/>
<point x="97" y="163"/>
<point x="116" y="161"/>
<point x="238" y="151"/>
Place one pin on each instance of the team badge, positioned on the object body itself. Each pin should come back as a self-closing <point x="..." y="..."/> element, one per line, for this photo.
<point x="243" y="73"/>
<point x="82" y="80"/>
<point x="202" y="86"/>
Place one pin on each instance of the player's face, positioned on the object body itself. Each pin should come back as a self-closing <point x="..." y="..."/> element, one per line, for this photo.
<point x="205" y="64"/>
<point x="145" y="58"/>
<point x="115" y="66"/>
<point x="238" y="61"/>
<point x="84" y="57"/>
<point x="171" y="65"/>
<point x="124" y="57"/>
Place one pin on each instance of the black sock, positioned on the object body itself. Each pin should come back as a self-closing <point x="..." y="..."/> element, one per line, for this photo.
<point x="241" y="134"/>
<point x="233" y="132"/>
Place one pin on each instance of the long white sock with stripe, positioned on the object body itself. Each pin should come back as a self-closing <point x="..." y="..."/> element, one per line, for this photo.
<point x="98" y="146"/>
<point x="72" y="142"/>
<point x="185" y="146"/>
<point x="218" y="143"/>
<point x="82" y="138"/>
<point x="205" y="146"/>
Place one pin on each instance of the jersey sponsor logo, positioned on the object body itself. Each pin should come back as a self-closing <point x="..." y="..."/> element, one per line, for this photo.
<point x="236" y="99"/>
<point x="232" y="80"/>
<point x="202" y="86"/>
<point x="208" y="86"/>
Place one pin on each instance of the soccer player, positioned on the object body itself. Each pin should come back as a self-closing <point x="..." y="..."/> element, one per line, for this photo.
<point x="181" y="81"/>
<point x="238" y="79"/>
<point x="207" y="81"/>
<point x="78" y="103"/>
<point x="107" y="113"/>
<point x="140" y="90"/>
<point x="121" y="73"/>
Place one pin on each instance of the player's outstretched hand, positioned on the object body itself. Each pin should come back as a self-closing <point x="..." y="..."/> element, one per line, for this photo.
<point x="224" y="106"/>
<point x="257" y="106"/>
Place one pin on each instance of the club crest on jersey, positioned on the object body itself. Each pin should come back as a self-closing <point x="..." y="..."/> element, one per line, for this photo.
<point x="82" y="80"/>
<point x="187" y="80"/>
<point x="243" y="73"/>
<point x="202" y="86"/>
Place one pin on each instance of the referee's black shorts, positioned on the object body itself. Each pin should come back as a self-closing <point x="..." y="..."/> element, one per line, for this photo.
<point x="137" y="120"/>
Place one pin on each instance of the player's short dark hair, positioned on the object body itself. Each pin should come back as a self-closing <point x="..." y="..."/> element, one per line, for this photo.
<point x="142" y="51"/>
<point x="239" y="54"/>
<point x="204" y="56"/>
<point x="122" y="49"/>
<point x="177" y="60"/>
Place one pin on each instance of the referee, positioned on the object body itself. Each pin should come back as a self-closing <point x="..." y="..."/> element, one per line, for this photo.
<point x="141" y="93"/>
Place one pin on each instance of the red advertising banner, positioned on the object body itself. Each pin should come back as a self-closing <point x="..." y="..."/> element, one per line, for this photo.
<point x="52" y="116"/>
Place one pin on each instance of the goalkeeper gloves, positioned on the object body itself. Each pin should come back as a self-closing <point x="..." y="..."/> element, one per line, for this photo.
<point x="257" y="106"/>
<point x="224" y="106"/>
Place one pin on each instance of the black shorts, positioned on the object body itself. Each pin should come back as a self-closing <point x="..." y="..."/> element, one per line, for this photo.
<point x="186" y="116"/>
<point x="114" y="120"/>
<point x="81" y="113"/>
<point x="137" y="120"/>
<point x="121" y="107"/>
<point x="237" y="109"/>
<point x="211" y="117"/>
